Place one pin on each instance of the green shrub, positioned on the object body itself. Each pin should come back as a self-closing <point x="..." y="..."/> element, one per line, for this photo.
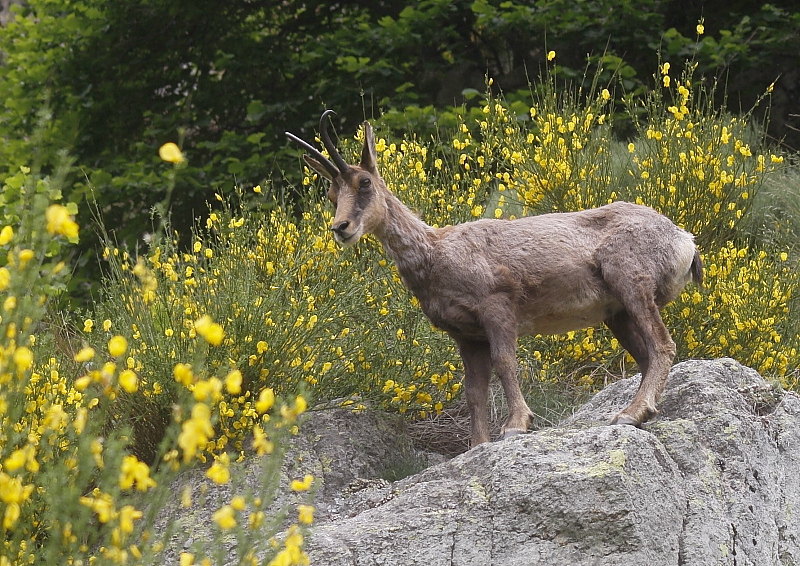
<point x="72" y="489"/>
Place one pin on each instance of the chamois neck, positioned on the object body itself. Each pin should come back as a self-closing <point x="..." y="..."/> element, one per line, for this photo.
<point x="407" y="240"/>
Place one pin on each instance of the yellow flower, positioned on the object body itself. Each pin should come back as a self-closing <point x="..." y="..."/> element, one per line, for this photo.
<point x="551" y="55"/>
<point x="261" y="443"/>
<point x="238" y="503"/>
<point x="218" y="473"/>
<point x="15" y="461"/>
<point x="60" y="222"/>
<point x="102" y="505"/>
<point x="224" y="518"/>
<point x="195" y="432"/>
<point x="186" y="559"/>
<point x="127" y="515"/>
<point x="88" y="324"/>
<point x="210" y="388"/>
<point x="299" y="407"/>
<point x="170" y="153"/>
<point x="265" y="400"/>
<point x="5" y="278"/>
<point x="233" y="382"/>
<point x="11" y="515"/>
<point x="209" y="330"/>
<point x="12" y="491"/>
<point x="604" y="94"/>
<point x="701" y="29"/>
<point x="23" y="358"/>
<point x="25" y="256"/>
<point x="182" y="374"/>
<point x="6" y="234"/>
<point x="305" y="514"/>
<point x="132" y="473"/>
<point x="128" y="381"/>
<point x="186" y="496"/>
<point x="304" y="485"/>
<point x="117" y="346"/>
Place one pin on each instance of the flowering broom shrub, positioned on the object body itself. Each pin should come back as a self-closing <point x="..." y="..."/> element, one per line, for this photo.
<point x="299" y="312"/>
<point x="295" y="313"/>
<point x="201" y="354"/>
<point x="71" y="489"/>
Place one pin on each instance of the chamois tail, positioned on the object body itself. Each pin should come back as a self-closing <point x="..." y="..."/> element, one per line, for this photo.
<point x="697" y="269"/>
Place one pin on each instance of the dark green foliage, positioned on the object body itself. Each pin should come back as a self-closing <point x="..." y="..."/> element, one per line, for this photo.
<point x="225" y="80"/>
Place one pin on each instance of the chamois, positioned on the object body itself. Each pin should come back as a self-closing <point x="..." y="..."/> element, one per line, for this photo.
<point x="488" y="281"/>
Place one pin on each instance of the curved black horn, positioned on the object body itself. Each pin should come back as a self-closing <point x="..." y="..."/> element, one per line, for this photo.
<point x="326" y="140"/>
<point x="315" y="153"/>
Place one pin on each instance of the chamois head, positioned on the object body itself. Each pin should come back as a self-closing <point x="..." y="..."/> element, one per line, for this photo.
<point x="357" y="191"/>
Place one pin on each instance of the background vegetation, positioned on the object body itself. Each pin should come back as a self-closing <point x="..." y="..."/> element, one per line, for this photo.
<point x="225" y="81"/>
<point x="204" y="341"/>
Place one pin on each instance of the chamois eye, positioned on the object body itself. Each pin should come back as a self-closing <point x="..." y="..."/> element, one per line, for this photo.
<point x="365" y="183"/>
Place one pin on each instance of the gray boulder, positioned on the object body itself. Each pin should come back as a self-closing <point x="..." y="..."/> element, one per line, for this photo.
<point x="352" y="456"/>
<point x="712" y="480"/>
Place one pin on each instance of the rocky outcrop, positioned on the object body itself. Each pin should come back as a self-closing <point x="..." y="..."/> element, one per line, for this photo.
<point x="352" y="456"/>
<point x="713" y="479"/>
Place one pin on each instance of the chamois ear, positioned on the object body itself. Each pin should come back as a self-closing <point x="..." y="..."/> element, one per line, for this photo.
<point x="318" y="167"/>
<point x="369" y="159"/>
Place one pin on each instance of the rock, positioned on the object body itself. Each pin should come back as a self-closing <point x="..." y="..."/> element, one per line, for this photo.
<point x="711" y="480"/>
<point x="352" y="456"/>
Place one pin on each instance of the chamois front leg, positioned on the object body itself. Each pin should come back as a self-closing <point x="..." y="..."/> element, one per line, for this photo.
<point x="500" y="328"/>
<point x="477" y="372"/>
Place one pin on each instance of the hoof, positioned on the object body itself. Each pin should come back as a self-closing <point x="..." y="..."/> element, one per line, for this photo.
<point x="511" y="432"/>
<point x="623" y="419"/>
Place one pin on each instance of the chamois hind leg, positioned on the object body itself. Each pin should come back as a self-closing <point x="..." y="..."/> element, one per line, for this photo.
<point x="629" y="336"/>
<point x="641" y="331"/>
<point x="477" y="372"/>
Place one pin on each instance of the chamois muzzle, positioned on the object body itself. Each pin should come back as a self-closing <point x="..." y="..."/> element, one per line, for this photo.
<point x="339" y="230"/>
<point x="340" y="227"/>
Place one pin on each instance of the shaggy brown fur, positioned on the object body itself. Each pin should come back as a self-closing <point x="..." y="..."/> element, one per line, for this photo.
<point x="489" y="281"/>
